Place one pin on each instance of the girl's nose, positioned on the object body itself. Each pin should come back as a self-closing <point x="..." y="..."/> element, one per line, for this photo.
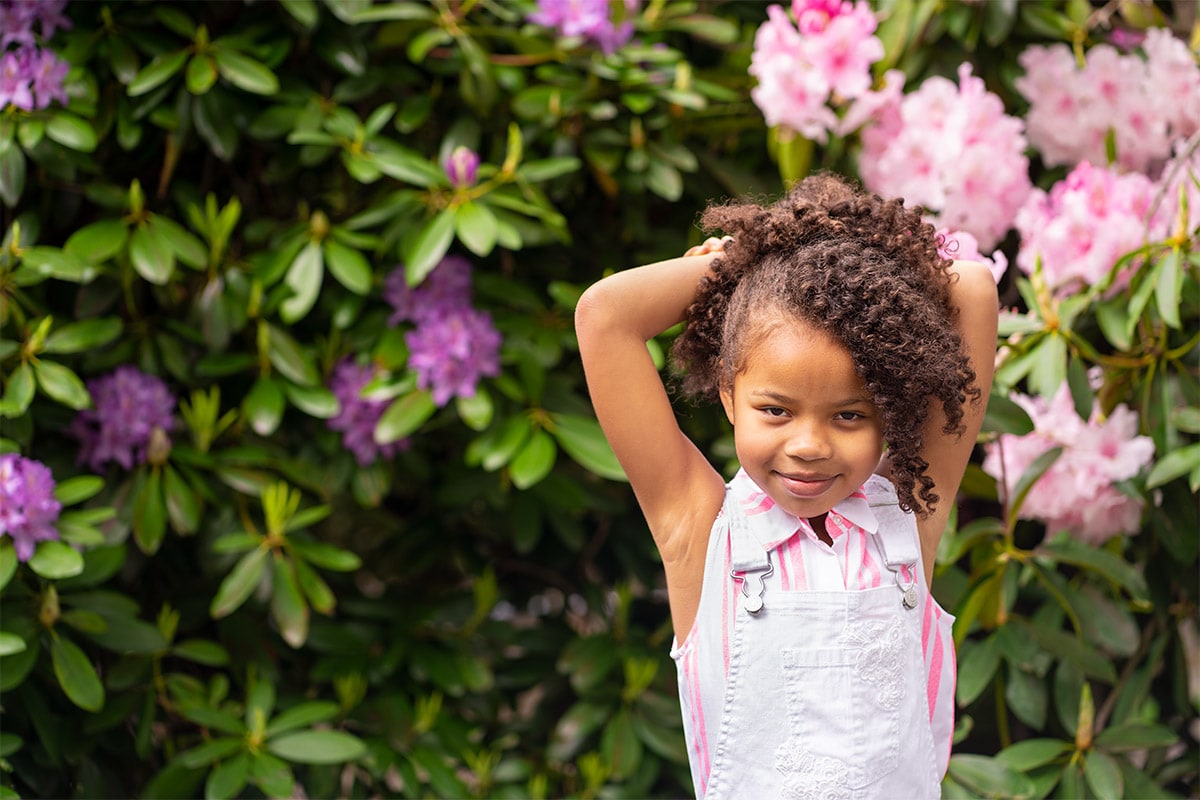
<point x="808" y="441"/>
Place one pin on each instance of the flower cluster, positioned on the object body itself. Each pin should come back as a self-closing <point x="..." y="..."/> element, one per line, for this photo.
<point x="1083" y="225"/>
<point x="128" y="407"/>
<point x="824" y="58"/>
<point x="1142" y="101"/>
<point x="28" y="509"/>
<point x="30" y="77"/>
<point x="358" y="415"/>
<point x="950" y="149"/>
<point x="452" y="345"/>
<point x="591" y="20"/>
<point x="1077" y="493"/>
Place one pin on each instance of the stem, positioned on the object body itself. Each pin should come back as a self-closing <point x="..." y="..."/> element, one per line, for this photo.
<point x="1110" y="701"/>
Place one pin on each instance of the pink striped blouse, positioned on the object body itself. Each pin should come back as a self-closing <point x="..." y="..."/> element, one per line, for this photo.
<point x="803" y="562"/>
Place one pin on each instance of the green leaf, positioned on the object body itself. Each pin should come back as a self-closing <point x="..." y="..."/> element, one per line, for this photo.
<point x="19" y="392"/>
<point x="548" y="168"/>
<point x="1003" y="415"/>
<point x="424" y="251"/>
<point x="128" y="635"/>
<point x="263" y="406"/>
<point x="62" y="384"/>
<point x="54" y="560"/>
<point x="325" y="555"/>
<point x="88" y="334"/>
<point x="316" y="590"/>
<point x="157" y="72"/>
<point x="1134" y="736"/>
<point x="1175" y="464"/>
<point x="210" y="751"/>
<point x="149" y="513"/>
<point x="201" y="74"/>
<point x="534" y="461"/>
<point x="8" y="561"/>
<point x="476" y="227"/>
<point x="317" y="747"/>
<point x="186" y="247"/>
<point x="315" y="401"/>
<point x="620" y="745"/>
<point x="228" y="779"/>
<point x="1025" y="755"/>
<point x="1169" y="290"/>
<point x="72" y="132"/>
<point x="1068" y="550"/>
<point x="348" y="266"/>
<point x="1080" y="387"/>
<point x="1103" y="774"/>
<point x="99" y="241"/>
<point x="12" y="174"/>
<point x="304" y="279"/>
<point x="183" y="504"/>
<point x="75" y="674"/>
<point x="476" y="411"/>
<point x="977" y="667"/>
<point x="150" y="255"/>
<point x="245" y="72"/>
<point x="989" y="777"/>
<point x="271" y="775"/>
<point x="1113" y="318"/>
<point x="583" y="441"/>
<point x="11" y="643"/>
<point x="201" y="651"/>
<point x="302" y="716"/>
<point x="52" y="262"/>
<point x="291" y="361"/>
<point x="288" y="607"/>
<point x="404" y="416"/>
<point x="238" y="585"/>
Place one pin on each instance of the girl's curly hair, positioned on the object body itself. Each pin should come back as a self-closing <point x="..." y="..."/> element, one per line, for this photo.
<point x="864" y="270"/>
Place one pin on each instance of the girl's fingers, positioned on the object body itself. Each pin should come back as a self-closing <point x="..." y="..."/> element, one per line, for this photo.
<point x="712" y="244"/>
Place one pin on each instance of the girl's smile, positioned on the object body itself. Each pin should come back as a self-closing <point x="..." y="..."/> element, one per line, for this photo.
<point x="805" y="427"/>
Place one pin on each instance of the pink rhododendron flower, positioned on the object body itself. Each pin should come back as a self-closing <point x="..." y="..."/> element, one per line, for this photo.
<point x="357" y="415"/>
<point x="952" y="150"/>
<point x="1146" y="103"/>
<point x="1083" y="225"/>
<point x="590" y="19"/>
<point x="803" y="72"/>
<point x="1180" y="176"/>
<point x="962" y="246"/>
<point x="1077" y="493"/>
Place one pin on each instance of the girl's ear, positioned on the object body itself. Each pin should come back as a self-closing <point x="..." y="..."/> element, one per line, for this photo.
<point x="727" y="400"/>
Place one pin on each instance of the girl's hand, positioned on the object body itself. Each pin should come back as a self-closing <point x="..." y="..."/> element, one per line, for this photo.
<point x="710" y="245"/>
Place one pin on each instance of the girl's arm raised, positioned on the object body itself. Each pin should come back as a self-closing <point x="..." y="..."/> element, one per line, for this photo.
<point x="678" y="490"/>
<point x="973" y="294"/>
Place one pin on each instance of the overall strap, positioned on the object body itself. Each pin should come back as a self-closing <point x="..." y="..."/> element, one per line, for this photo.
<point x="749" y="560"/>
<point x="898" y="539"/>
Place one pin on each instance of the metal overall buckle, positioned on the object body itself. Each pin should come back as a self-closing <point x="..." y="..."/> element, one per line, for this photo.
<point x="909" y="591"/>
<point x="753" y="603"/>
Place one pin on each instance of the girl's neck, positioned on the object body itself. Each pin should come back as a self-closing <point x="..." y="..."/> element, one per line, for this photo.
<point x="818" y="526"/>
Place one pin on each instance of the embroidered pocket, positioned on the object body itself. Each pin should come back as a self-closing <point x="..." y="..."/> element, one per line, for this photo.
<point x="844" y="712"/>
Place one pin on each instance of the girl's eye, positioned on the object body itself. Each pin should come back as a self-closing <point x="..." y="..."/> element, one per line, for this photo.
<point x="849" y="416"/>
<point x="774" y="411"/>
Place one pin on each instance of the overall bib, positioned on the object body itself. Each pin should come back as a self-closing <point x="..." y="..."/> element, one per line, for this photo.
<point x="826" y="690"/>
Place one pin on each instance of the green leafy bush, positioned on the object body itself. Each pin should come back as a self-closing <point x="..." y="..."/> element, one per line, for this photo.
<point x="242" y="602"/>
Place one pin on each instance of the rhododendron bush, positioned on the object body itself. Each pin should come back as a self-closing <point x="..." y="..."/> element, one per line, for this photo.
<point x="301" y="494"/>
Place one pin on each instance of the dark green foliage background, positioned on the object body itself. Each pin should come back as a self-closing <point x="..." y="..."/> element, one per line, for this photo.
<point x="482" y="615"/>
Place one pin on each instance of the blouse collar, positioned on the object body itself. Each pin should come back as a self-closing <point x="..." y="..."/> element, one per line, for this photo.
<point x="773" y="525"/>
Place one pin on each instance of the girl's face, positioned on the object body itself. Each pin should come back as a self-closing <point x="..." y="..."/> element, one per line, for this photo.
<point x="804" y="426"/>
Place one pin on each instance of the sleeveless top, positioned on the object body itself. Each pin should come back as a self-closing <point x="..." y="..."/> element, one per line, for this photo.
<point x="814" y="671"/>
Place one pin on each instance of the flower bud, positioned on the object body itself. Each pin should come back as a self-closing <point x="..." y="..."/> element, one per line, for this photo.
<point x="461" y="166"/>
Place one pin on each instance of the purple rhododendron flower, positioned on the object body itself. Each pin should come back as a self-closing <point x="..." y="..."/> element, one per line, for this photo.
<point x="28" y="509"/>
<point x="447" y="287"/>
<point x="31" y="77"/>
<point x="461" y="166"/>
<point x="129" y="406"/>
<point x="15" y="83"/>
<point x="591" y="19"/>
<point x="451" y="352"/>
<point x="46" y="72"/>
<point x="358" y="415"/>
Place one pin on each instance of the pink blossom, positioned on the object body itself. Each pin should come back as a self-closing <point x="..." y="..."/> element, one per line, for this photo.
<point x="1077" y="493"/>
<point x="952" y="150"/>
<point x="1145" y="104"/>
<point x="1083" y="226"/>
<point x="805" y="73"/>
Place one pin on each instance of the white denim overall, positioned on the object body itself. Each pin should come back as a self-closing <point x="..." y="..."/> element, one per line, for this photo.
<point x="826" y="690"/>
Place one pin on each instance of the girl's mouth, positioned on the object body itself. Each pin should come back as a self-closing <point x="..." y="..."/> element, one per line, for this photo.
<point x="806" y="485"/>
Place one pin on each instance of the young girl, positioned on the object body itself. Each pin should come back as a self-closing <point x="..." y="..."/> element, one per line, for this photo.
<point x="813" y="662"/>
